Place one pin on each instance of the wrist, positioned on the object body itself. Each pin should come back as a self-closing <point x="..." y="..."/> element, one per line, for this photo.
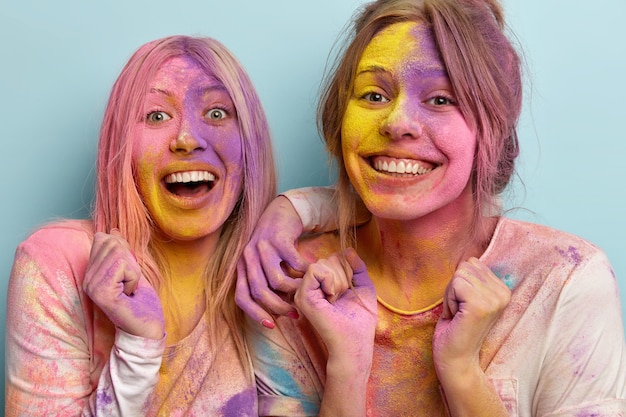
<point x="350" y="367"/>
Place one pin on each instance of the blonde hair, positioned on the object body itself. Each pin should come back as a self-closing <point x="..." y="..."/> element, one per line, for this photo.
<point x="117" y="201"/>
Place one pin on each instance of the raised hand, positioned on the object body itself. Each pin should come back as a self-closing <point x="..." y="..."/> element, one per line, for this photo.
<point x="115" y="283"/>
<point x="346" y="323"/>
<point x="473" y="302"/>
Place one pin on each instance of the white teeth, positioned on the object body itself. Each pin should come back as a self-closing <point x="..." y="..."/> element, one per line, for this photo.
<point x="401" y="167"/>
<point x="190" y="176"/>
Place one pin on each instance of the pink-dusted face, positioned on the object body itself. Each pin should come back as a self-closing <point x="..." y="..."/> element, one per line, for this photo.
<point x="187" y="151"/>
<point x="407" y="148"/>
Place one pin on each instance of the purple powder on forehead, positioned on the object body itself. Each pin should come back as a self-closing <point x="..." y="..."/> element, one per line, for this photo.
<point x="241" y="404"/>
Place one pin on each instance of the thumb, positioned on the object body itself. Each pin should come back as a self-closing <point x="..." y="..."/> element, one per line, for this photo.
<point x="360" y="277"/>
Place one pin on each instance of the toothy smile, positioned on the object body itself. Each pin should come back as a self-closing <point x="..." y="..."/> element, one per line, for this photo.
<point x="190" y="176"/>
<point x="189" y="183"/>
<point x="399" y="166"/>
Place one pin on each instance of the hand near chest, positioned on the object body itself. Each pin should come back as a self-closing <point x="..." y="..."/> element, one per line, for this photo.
<point x="115" y="283"/>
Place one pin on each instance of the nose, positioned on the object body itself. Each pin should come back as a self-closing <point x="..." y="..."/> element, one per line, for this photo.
<point x="188" y="139"/>
<point x="403" y="121"/>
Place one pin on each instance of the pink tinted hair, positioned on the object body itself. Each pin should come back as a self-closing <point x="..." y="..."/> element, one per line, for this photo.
<point x="483" y="67"/>
<point x="118" y="203"/>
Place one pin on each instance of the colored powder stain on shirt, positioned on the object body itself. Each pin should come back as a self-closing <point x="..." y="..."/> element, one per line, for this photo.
<point x="403" y="377"/>
<point x="286" y="378"/>
<point x="104" y="399"/>
<point x="509" y="280"/>
<point x="240" y="404"/>
<point x="571" y="254"/>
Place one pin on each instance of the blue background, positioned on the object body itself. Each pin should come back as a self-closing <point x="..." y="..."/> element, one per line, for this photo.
<point x="60" y="59"/>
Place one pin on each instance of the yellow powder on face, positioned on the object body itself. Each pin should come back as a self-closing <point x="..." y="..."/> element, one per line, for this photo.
<point x="394" y="44"/>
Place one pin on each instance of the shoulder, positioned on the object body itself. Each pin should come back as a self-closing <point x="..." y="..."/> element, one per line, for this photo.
<point x="61" y="233"/>
<point x="63" y="245"/>
<point x="524" y="239"/>
<point x="317" y="246"/>
<point x="537" y="233"/>
<point x="521" y="250"/>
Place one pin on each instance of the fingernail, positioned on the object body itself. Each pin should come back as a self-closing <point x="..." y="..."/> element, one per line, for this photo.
<point x="293" y="314"/>
<point x="267" y="323"/>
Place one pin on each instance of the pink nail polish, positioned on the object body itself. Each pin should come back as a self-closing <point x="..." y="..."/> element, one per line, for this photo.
<point x="293" y="314"/>
<point x="267" y="323"/>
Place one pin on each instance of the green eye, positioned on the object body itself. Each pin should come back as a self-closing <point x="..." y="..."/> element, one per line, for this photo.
<point x="216" y="114"/>
<point x="157" y="117"/>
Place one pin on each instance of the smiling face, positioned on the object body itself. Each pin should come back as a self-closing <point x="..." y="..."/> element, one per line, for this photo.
<point x="187" y="151"/>
<point x="406" y="146"/>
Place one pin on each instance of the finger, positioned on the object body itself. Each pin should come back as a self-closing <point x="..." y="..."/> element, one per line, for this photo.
<point x="451" y="297"/>
<point x="291" y="256"/>
<point x="336" y="277"/>
<point x="245" y="301"/>
<point x="360" y="277"/>
<point x="267" y="262"/>
<point x="310" y="290"/>
<point x="131" y="280"/>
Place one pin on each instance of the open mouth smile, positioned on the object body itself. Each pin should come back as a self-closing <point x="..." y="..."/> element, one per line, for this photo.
<point x="189" y="183"/>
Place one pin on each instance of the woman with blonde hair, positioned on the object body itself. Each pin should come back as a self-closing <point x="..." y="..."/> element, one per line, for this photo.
<point x="132" y="312"/>
<point x="467" y="313"/>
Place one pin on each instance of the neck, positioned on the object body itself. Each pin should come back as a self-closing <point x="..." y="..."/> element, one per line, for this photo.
<point x="183" y="292"/>
<point x="412" y="261"/>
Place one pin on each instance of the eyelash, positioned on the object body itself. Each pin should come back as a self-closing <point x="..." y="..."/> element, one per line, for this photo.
<point x="152" y="112"/>
<point x="368" y="97"/>
<point x="221" y="108"/>
<point x="450" y="100"/>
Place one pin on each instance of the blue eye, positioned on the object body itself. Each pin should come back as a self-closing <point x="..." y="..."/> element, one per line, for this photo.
<point x="216" y="114"/>
<point x="157" y="117"/>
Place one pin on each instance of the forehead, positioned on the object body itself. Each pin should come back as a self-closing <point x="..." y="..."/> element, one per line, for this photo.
<point x="182" y="71"/>
<point x="402" y="44"/>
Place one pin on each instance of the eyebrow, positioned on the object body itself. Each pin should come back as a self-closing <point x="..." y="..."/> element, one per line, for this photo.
<point x="377" y="69"/>
<point x="424" y="71"/>
<point x="202" y="90"/>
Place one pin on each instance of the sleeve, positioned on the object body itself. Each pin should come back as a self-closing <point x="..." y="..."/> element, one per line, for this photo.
<point x="286" y="381"/>
<point x="48" y="350"/>
<point x="315" y="207"/>
<point x="128" y="379"/>
<point x="584" y="372"/>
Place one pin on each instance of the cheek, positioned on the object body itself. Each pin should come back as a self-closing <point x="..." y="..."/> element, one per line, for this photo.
<point x="145" y="167"/>
<point x="229" y="145"/>
<point x="354" y="126"/>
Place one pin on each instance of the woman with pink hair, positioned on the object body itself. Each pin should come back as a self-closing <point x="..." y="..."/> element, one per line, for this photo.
<point x="132" y="312"/>
<point x="465" y="312"/>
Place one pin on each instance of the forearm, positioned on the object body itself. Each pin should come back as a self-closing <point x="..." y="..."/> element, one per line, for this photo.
<point x="345" y="389"/>
<point x="130" y="376"/>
